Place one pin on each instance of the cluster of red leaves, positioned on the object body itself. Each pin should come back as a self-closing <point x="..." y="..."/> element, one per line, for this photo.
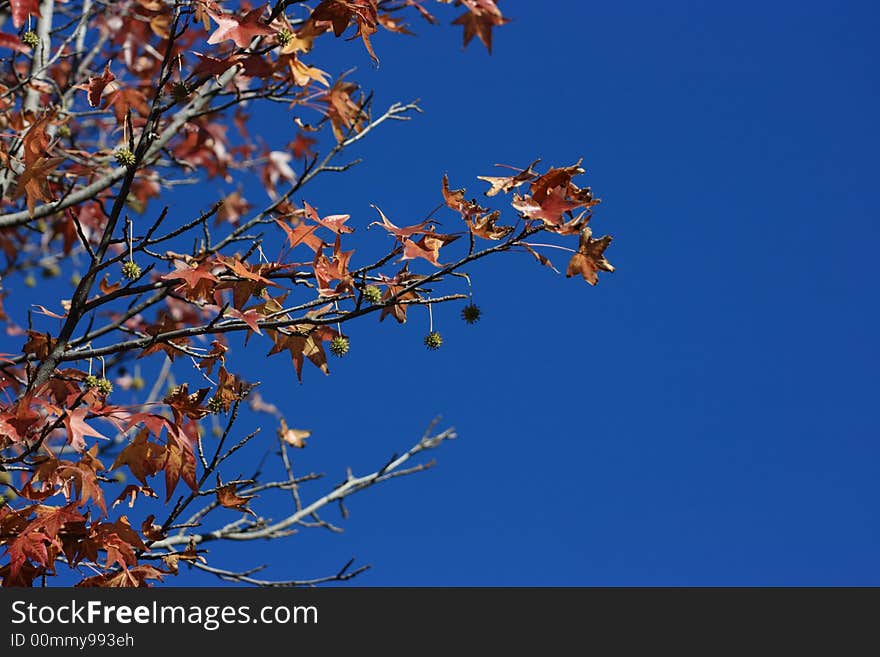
<point x="551" y="202"/>
<point x="35" y="535"/>
<point x="39" y="535"/>
<point x="46" y="163"/>
<point x="52" y="427"/>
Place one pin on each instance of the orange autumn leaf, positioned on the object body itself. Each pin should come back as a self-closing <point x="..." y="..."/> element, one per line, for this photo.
<point x="34" y="181"/>
<point x="427" y="247"/>
<point x="229" y="499"/>
<point x="293" y="437"/>
<point x="505" y="184"/>
<point x="590" y="258"/>
<point x="482" y="16"/>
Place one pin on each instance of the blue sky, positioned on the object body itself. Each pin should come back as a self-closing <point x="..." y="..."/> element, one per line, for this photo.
<point x="703" y="416"/>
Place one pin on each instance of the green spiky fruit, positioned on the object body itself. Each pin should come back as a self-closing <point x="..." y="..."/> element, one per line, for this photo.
<point x="64" y="131"/>
<point x="339" y="345"/>
<point x="124" y="156"/>
<point x="284" y="37"/>
<point x="215" y="404"/>
<point x="433" y="340"/>
<point x="131" y="270"/>
<point x="471" y="313"/>
<point x="91" y="381"/>
<point x="30" y="38"/>
<point x="372" y="294"/>
<point x="104" y="386"/>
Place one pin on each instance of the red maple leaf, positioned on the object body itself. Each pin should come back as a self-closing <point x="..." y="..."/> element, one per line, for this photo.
<point x="212" y="65"/>
<point x="302" y="234"/>
<point x="246" y="271"/>
<point x="427" y="247"/>
<point x="399" y="233"/>
<point x="334" y="222"/>
<point x="77" y="429"/>
<point x="558" y="177"/>
<point x="240" y="29"/>
<point x="97" y="84"/>
<point x="550" y="210"/>
<point x="21" y="9"/>
<point x="327" y="270"/>
<point x="192" y="276"/>
<point x="31" y="542"/>
<point x="12" y="42"/>
<point x="180" y="462"/>
<point x="249" y="317"/>
<point x="339" y="13"/>
<point x="481" y="17"/>
<point x="302" y="146"/>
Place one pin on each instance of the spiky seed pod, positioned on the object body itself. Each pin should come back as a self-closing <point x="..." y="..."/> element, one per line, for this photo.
<point x="284" y="37"/>
<point x="91" y="381"/>
<point x="339" y="345"/>
<point x="373" y="294"/>
<point x="131" y="270"/>
<point x="64" y="131"/>
<point x="433" y="340"/>
<point x="215" y="404"/>
<point x="180" y="91"/>
<point x="471" y="313"/>
<point x="50" y="271"/>
<point x="30" y="39"/>
<point x="124" y="156"/>
<point x="104" y="386"/>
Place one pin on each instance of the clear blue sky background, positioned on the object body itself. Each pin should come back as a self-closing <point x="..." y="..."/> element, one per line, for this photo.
<point x="708" y="414"/>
